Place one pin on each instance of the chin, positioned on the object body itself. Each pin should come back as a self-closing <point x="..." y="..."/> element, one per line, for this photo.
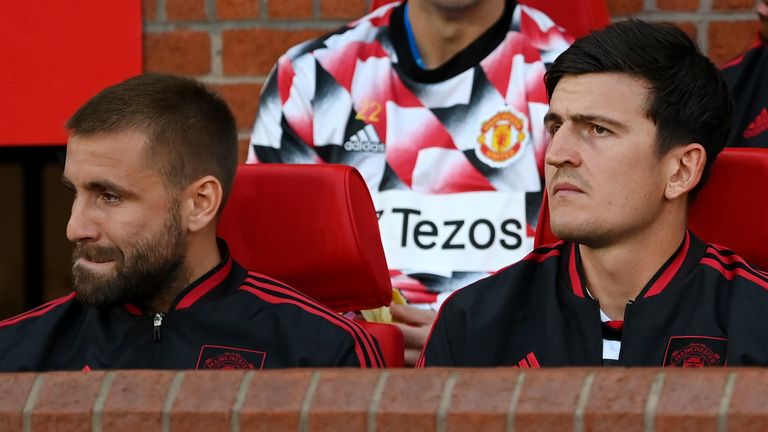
<point x="575" y="232"/>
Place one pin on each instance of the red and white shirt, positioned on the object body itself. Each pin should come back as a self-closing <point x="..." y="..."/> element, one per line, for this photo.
<point x="452" y="156"/>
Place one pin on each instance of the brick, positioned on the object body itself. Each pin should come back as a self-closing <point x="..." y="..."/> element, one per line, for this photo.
<point x="135" y="401"/>
<point x="15" y="390"/>
<point x="274" y="400"/>
<point x="66" y="400"/>
<point x="747" y="409"/>
<point x="729" y="39"/>
<point x="254" y="52"/>
<point x="185" y="10"/>
<point x="149" y="10"/>
<point x="689" y="401"/>
<point x="677" y="5"/>
<point x="243" y="100"/>
<point x="548" y="400"/>
<point x="624" y="7"/>
<point x="205" y="401"/>
<point x="733" y="4"/>
<point x="617" y="400"/>
<point x="410" y="400"/>
<point x="238" y="9"/>
<point x="342" y="400"/>
<point x="180" y="52"/>
<point x="471" y="409"/>
<point x="689" y="28"/>
<point x="242" y="149"/>
<point x="289" y="9"/>
<point x="349" y="9"/>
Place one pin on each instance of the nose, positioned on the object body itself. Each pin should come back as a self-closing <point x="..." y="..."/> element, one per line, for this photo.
<point x="82" y="226"/>
<point x="562" y="148"/>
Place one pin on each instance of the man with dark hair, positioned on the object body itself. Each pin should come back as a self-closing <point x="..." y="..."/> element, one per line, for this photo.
<point x="637" y="116"/>
<point x="150" y="162"/>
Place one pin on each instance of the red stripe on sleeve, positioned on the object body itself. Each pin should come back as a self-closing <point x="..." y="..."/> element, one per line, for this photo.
<point x="732" y="259"/>
<point x="38" y="311"/>
<point x="731" y="274"/>
<point x="364" y="335"/>
<point x="358" y="334"/>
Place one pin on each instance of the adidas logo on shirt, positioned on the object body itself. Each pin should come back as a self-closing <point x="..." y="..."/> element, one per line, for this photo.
<point x="365" y="140"/>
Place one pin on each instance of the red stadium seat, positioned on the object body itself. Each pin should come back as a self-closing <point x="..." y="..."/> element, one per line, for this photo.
<point x="730" y="210"/>
<point x="313" y="227"/>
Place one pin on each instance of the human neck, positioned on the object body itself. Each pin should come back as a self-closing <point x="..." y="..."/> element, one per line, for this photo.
<point x="617" y="273"/>
<point x="441" y="33"/>
<point x="202" y="255"/>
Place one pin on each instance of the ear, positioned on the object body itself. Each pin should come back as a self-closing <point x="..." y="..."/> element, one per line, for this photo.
<point x="202" y="200"/>
<point x="686" y="166"/>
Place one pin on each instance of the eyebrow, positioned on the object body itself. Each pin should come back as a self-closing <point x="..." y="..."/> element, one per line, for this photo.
<point x="586" y="118"/>
<point x="99" y="185"/>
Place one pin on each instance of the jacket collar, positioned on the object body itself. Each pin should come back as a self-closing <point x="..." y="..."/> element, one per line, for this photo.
<point x="682" y="261"/>
<point x="216" y="277"/>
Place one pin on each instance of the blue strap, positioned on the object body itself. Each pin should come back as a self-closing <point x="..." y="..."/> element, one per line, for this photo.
<point x="412" y="40"/>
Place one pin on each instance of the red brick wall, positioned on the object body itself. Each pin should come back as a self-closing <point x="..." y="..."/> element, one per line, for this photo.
<point x="232" y="44"/>
<point x="611" y="399"/>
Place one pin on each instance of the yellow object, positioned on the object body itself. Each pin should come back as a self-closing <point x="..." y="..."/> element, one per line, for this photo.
<point x="382" y="314"/>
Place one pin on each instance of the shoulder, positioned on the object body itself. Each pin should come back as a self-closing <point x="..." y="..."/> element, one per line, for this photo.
<point x="27" y="340"/>
<point x="40" y="315"/>
<point x="295" y="309"/>
<point x="731" y="268"/>
<point x="513" y="283"/>
<point x="746" y="59"/>
<point x="541" y="31"/>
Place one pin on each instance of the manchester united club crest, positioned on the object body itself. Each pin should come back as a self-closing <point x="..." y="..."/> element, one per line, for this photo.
<point x="221" y="357"/>
<point x="695" y="352"/>
<point x="502" y="138"/>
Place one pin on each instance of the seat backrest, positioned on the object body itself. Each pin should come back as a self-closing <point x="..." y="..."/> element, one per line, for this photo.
<point x="313" y="227"/>
<point x="729" y="210"/>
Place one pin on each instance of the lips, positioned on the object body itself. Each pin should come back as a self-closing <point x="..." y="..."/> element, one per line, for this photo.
<point x="95" y="254"/>
<point x="566" y="188"/>
<point x="99" y="261"/>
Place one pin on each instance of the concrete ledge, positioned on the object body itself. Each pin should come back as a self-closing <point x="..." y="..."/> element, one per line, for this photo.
<point x="567" y="399"/>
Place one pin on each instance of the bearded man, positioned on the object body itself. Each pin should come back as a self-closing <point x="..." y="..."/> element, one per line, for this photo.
<point x="150" y="162"/>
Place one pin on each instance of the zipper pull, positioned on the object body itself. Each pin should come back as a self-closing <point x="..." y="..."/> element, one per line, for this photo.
<point x="158" y="323"/>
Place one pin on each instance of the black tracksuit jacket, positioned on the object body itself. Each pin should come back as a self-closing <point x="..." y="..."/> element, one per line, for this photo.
<point x="227" y="319"/>
<point x="747" y="77"/>
<point x="704" y="307"/>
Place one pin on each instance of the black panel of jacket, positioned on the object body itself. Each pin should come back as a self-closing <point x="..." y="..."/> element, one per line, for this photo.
<point x="704" y="307"/>
<point x="747" y="77"/>
<point x="228" y="319"/>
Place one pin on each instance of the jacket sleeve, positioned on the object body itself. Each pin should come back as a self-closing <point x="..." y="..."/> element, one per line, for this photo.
<point x="748" y="322"/>
<point x="283" y="129"/>
<point x="361" y="351"/>
<point x="438" y="351"/>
